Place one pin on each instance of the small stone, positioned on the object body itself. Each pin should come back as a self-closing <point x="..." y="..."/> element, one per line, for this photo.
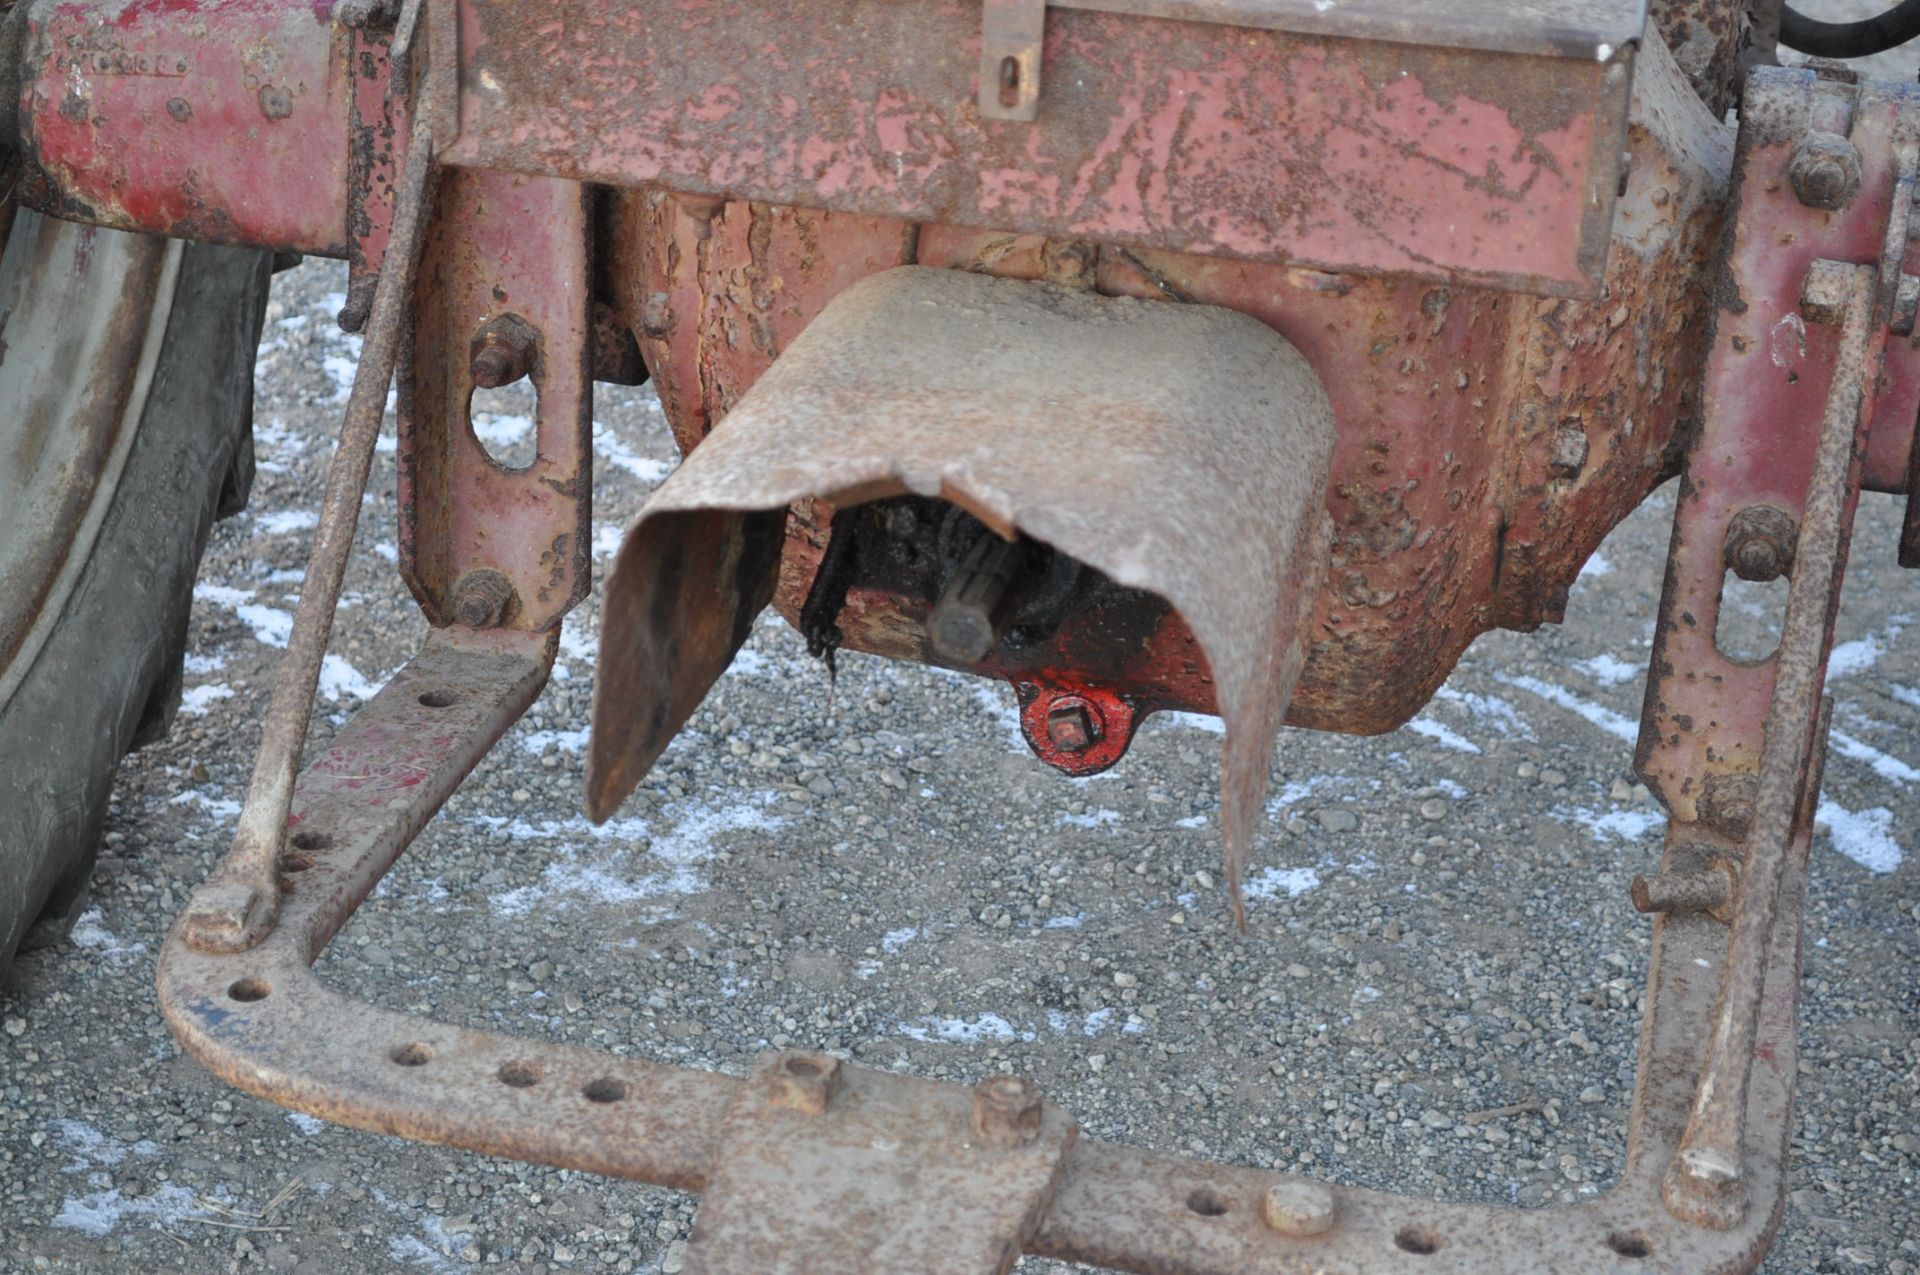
<point x="1436" y="1119"/>
<point x="1621" y="790"/>
<point x="1552" y="778"/>
<point x="1096" y="1063"/>
<point x="521" y="795"/>
<point x="1433" y="808"/>
<point x="1297" y="970"/>
<point x="1125" y="980"/>
<point x="821" y="787"/>
<point x="16" y="1027"/>
<point x="1337" y="820"/>
<point x="561" y="1253"/>
<point x="573" y="1002"/>
<point x="1593" y="1095"/>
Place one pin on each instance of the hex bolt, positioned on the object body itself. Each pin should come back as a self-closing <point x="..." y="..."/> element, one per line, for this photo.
<point x="1299" y="1207"/>
<point x="1707" y="890"/>
<point x="483" y="598"/>
<point x="1072" y="724"/>
<point x="1824" y="170"/>
<point x="1824" y="292"/>
<point x="356" y="15"/>
<point x="1007" y="1111"/>
<point x="1760" y="543"/>
<point x="502" y="351"/>
<point x="1726" y="803"/>
<point x="803" y="1081"/>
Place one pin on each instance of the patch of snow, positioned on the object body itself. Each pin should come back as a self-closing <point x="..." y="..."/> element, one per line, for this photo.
<point x="1865" y="836"/>
<point x="1596" y="566"/>
<point x="1616" y="724"/>
<point x="1490" y="711"/>
<point x="962" y="1031"/>
<point x="1092" y="819"/>
<point x="1442" y="735"/>
<point x="90" y="932"/>
<point x="1268" y="882"/>
<point x="305" y="1123"/>
<point x="1189" y="721"/>
<point x="893" y="940"/>
<point x="1608" y="671"/>
<point x="339" y="679"/>
<point x="279" y="522"/>
<point x="219" y="807"/>
<point x="615" y="450"/>
<point x="1884" y="765"/>
<point x="196" y="700"/>
<point x="99" y="1213"/>
<point x="1611" y="825"/>
<point x="567" y="741"/>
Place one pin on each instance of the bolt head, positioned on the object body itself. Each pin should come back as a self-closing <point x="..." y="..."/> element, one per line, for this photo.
<point x="1007" y="1111"/>
<point x="1824" y="171"/>
<point x="1760" y="543"/>
<point x="1298" y="1207"/>
<point x="501" y="352"/>
<point x="1071" y="728"/>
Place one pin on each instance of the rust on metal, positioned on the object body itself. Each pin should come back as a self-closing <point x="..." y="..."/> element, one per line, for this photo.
<point x="1448" y="516"/>
<point x="1215" y="435"/>
<point x="263" y="1022"/>
<point x="1769" y="373"/>
<point x="894" y="1174"/>
<point x="236" y="908"/>
<point x="502" y="297"/>
<point x="1241" y="140"/>
<point x="1707" y="1182"/>
<point x="194" y="118"/>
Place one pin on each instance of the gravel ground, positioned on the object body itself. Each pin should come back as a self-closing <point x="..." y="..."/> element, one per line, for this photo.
<point x="1439" y="926"/>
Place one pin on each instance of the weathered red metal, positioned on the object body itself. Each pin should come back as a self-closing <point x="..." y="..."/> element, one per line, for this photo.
<point x="200" y="119"/>
<point x="1451" y="510"/>
<point x="1707" y="1182"/>
<point x="262" y="1021"/>
<point x="504" y="253"/>
<point x="236" y="908"/>
<point x="1769" y="373"/>
<point x="1203" y="137"/>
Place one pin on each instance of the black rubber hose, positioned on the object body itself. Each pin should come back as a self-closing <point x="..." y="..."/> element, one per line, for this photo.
<point x="1887" y="30"/>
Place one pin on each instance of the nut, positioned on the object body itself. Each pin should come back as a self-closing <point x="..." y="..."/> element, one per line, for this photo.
<point x="483" y="598"/>
<point x="1569" y="454"/>
<point x="1007" y="1111"/>
<point x="1760" y="543"/>
<point x="1072" y="725"/>
<point x="1298" y="1207"/>
<point x="502" y="351"/>
<point x="1824" y="170"/>
<point x="1826" y="290"/>
<point x="802" y="1081"/>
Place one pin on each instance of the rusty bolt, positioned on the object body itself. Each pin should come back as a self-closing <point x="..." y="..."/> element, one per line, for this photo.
<point x="1760" y="543"/>
<point x="357" y="14"/>
<point x="1298" y="1207"/>
<point x="1726" y="803"/>
<point x="1708" y="890"/>
<point x="1825" y="291"/>
<point x="483" y="598"/>
<point x="1072" y="724"/>
<point x="1824" y="170"/>
<point x="1006" y="1111"/>
<point x="1569" y="455"/>
<point x="803" y="1081"/>
<point x="502" y="351"/>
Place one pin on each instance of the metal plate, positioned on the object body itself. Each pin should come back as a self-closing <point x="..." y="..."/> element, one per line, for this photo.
<point x="1364" y="155"/>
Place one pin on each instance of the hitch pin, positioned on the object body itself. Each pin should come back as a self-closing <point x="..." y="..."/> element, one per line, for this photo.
<point x="236" y="907"/>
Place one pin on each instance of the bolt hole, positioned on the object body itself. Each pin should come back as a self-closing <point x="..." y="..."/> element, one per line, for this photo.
<point x="502" y="420"/>
<point x="802" y="1068"/>
<point x="1009" y="81"/>
<point x="248" y="990"/>
<point x="309" y="839"/>
<point x="1207" y="1202"/>
<point x="1747" y="630"/>
<point x="605" y="1089"/>
<point x="438" y="699"/>
<point x="412" y="1054"/>
<point x="518" y="1075"/>
<point x="1629" y="1244"/>
<point x="1414" y="1239"/>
